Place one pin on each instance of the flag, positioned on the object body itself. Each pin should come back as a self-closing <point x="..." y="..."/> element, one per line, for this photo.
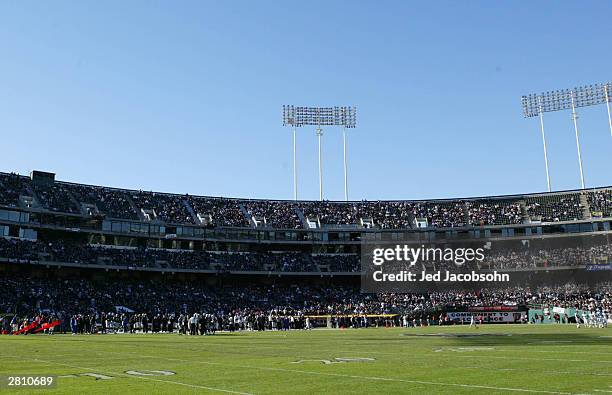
<point x="47" y="325"/>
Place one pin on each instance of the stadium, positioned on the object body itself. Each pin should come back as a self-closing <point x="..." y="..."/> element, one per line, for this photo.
<point x="153" y="272"/>
<point x="305" y="198"/>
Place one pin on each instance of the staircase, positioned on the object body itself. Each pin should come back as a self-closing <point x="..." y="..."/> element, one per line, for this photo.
<point x="138" y="212"/>
<point x="35" y="200"/>
<point x="301" y="216"/>
<point x="523" y="204"/>
<point x="466" y="212"/>
<point x="191" y="211"/>
<point x="246" y="214"/>
<point x="74" y="201"/>
<point x="586" y="207"/>
<point x="82" y="208"/>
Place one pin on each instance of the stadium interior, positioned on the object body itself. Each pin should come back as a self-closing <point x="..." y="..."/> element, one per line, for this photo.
<point x="113" y="258"/>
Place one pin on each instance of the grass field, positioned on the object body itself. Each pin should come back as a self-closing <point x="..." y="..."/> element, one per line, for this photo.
<point x="551" y="359"/>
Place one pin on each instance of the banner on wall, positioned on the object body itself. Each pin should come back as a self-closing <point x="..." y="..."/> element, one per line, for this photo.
<point x="505" y="317"/>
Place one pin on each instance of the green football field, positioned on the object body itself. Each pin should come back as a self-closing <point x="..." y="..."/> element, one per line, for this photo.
<point x="553" y="359"/>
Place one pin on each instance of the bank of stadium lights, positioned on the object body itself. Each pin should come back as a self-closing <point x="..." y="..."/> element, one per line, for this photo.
<point x="297" y="116"/>
<point x="567" y="99"/>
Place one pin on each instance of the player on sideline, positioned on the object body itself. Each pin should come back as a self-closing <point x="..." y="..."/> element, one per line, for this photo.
<point x="577" y="318"/>
<point x="473" y="322"/>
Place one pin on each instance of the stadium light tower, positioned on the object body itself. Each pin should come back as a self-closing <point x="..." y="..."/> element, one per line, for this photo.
<point x="567" y="99"/>
<point x="296" y="117"/>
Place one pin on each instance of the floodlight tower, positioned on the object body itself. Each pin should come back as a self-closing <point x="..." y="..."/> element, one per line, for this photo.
<point x="319" y="135"/>
<point x="544" y="142"/>
<point x="320" y="116"/>
<point x="607" y="91"/>
<point x="567" y="99"/>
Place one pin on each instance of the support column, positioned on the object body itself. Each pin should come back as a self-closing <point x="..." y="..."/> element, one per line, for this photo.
<point x="575" y="119"/>
<point x="319" y="134"/>
<point x="544" y="143"/>
<point x="295" y="183"/>
<point x="345" y="165"/>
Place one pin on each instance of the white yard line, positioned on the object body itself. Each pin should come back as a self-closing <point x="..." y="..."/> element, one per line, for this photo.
<point x="484" y="355"/>
<point x="142" y="378"/>
<point x="575" y="344"/>
<point x="371" y="378"/>
<point x="533" y="371"/>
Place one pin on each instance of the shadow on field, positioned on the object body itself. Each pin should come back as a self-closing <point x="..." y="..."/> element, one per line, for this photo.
<point x="517" y="339"/>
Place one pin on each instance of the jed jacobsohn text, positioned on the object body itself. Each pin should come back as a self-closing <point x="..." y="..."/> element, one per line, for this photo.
<point x="401" y="258"/>
<point x="445" y="276"/>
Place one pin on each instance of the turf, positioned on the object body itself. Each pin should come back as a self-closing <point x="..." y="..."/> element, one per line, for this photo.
<point x="491" y="359"/>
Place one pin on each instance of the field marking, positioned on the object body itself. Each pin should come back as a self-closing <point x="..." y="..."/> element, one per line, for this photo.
<point x="534" y="371"/>
<point x="534" y="359"/>
<point x="552" y="342"/>
<point x="142" y="377"/>
<point x="276" y="348"/>
<point x="455" y="355"/>
<point x="336" y="360"/>
<point x="467" y="349"/>
<point x="507" y="350"/>
<point x="373" y="378"/>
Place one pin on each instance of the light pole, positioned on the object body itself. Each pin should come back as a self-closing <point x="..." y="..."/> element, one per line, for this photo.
<point x="295" y="183"/>
<point x="567" y="99"/>
<point x="319" y="135"/>
<point x="295" y="116"/>
<point x="345" y="166"/>
<point x="575" y="119"/>
<point x="544" y="143"/>
<point x="607" y="91"/>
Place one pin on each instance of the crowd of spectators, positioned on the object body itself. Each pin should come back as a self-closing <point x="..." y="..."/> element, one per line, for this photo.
<point x="387" y="214"/>
<point x="441" y="214"/>
<point x="494" y="212"/>
<point x="330" y="213"/>
<point x="80" y="253"/>
<point x="167" y="208"/>
<point x="255" y="307"/>
<point x="600" y="203"/>
<point x="222" y="212"/>
<point x="11" y="187"/>
<point x="554" y="208"/>
<point x="113" y="203"/>
<point x="348" y="263"/>
<point x="56" y="198"/>
<point x="547" y="257"/>
<point x="219" y="211"/>
<point x="275" y="214"/>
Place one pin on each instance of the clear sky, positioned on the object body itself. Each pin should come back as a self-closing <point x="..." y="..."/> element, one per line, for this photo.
<point x="183" y="96"/>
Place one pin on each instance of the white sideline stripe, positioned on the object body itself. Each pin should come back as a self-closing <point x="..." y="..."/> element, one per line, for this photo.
<point x="482" y="356"/>
<point x="143" y="378"/>
<point x="19" y="357"/>
<point x="533" y="371"/>
<point x="373" y="378"/>
<point x="575" y="344"/>
<point x="456" y="355"/>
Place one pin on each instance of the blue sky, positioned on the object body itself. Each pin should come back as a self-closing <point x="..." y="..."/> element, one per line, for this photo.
<point x="187" y="96"/>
